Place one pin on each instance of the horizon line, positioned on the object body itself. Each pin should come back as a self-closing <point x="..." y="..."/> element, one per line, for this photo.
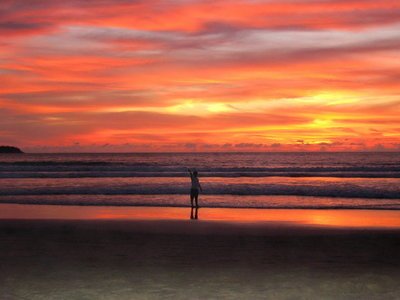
<point x="206" y="152"/>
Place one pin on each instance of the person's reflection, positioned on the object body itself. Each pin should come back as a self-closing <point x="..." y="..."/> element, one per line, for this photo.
<point x="194" y="213"/>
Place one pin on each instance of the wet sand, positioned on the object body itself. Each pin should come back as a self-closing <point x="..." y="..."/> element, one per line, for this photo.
<point x="225" y="255"/>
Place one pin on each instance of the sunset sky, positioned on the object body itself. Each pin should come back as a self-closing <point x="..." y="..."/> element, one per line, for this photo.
<point x="191" y="75"/>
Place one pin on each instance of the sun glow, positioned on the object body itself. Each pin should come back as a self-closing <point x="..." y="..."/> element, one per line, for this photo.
<point x="192" y="107"/>
<point x="337" y="98"/>
<point x="321" y="123"/>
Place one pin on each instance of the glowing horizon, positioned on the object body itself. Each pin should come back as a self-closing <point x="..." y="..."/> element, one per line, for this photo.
<point x="119" y="75"/>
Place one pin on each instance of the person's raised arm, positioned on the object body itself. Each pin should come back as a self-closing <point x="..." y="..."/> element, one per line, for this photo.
<point x="190" y="173"/>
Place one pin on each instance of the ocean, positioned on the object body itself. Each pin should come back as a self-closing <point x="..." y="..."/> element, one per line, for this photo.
<point x="246" y="180"/>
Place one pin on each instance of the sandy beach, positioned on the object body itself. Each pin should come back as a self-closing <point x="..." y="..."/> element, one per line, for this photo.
<point x="212" y="258"/>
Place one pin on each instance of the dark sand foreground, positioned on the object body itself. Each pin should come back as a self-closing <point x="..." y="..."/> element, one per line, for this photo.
<point x="174" y="258"/>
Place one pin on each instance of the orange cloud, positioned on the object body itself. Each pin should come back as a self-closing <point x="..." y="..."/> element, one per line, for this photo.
<point x="211" y="76"/>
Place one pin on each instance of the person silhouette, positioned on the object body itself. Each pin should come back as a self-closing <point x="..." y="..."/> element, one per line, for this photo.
<point x="196" y="187"/>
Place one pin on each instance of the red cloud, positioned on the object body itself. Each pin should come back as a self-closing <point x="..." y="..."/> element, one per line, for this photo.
<point x="248" y="74"/>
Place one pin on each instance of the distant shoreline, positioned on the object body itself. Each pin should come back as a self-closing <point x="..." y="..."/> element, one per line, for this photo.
<point x="10" y="149"/>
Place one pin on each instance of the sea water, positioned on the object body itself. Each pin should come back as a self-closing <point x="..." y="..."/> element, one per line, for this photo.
<point x="254" y="180"/>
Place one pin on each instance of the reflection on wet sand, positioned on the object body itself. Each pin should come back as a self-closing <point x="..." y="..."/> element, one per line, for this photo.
<point x="313" y="217"/>
<point x="194" y="213"/>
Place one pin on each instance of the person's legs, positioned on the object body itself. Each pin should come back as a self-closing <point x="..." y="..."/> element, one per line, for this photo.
<point x="192" y="196"/>
<point x="196" y="198"/>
